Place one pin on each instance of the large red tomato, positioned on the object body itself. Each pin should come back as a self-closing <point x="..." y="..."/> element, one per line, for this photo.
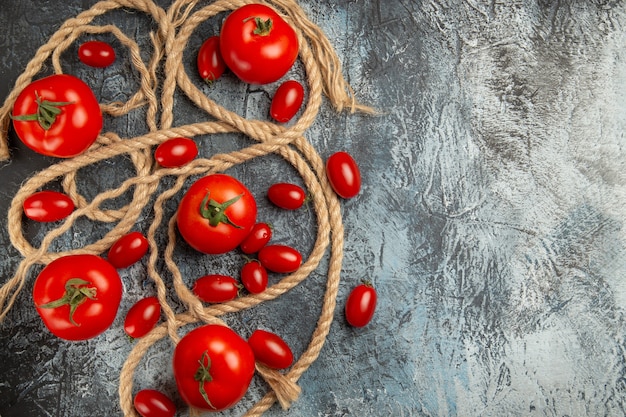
<point x="58" y="116"/>
<point x="257" y="44"/>
<point x="216" y="214"/>
<point x="213" y="367"/>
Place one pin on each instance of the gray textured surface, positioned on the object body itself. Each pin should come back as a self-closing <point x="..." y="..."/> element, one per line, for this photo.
<point x="491" y="218"/>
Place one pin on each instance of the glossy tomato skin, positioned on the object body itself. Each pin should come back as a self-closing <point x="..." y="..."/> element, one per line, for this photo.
<point x="96" y="313"/>
<point x="153" y="403"/>
<point x="128" y="249"/>
<point x="210" y="63"/>
<point x="360" y="305"/>
<point x="257" y="58"/>
<point x="176" y="152"/>
<point x="258" y="237"/>
<point x="280" y="258"/>
<point x="72" y="131"/>
<point x="270" y="349"/>
<point x="227" y="234"/>
<point x="287" y="101"/>
<point x="96" y="54"/>
<point x="216" y="360"/>
<point x="142" y="317"/>
<point x="286" y="195"/>
<point x="254" y="277"/>
<point x="344" y="174"/>
<point x="48" y="206"/>
<point x="216" y="288"/>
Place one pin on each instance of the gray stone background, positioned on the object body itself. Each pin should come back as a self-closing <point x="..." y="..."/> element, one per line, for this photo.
<point x="490" y="221"/>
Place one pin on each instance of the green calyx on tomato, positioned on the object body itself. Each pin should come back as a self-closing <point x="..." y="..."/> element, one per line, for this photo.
<point x="77" y="291"/>
<point x="203" y="375"/>
<point x="47" y="112"/>
<point x="215" y="212"/>
<point x="263" y="27"/>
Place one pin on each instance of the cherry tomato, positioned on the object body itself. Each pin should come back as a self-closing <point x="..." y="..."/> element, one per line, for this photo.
<point x="142" y="317"/>
<point x="257" y="44"/>
<point x="216" y="214"/>
<point x="176" y="152"/>
<point x="77" y="296"/>
<point x="280" y="258"/>
<point x="211" y="66"/>
<point x="213" y="367"/>
<point x="254" y="277"/>
<point x="287" y="196"/>
<point x="153" y="403"/>
<point x="270" y="349"/>
<point x="216" y="288"/>
<point x="343" y="174"/>
<point x="361" y="305"/>
<point x="287" y="101"/>
<point x="128" y="249"/>
<point x="48" y="206"/>
<point x="258" y="237"/>
<point x="58" y="116"/>
<point x="96" y="54"/>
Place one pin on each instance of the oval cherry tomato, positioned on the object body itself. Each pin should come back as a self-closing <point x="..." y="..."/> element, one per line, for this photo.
<point x="287" y="196"/>
<point x="280" y="258"/>
<point x="287" y="101"/>
<point x="257" y="44"/>
<point x="216" y="288"/>
<point x="176" y="152"/>
<point x="48" y="206"/>
<point x="213" y="367"/>
<point x="258" y="237"/>
<point x="361" y="305"/>
<point x="58" y="116"/>
<point x="142" y="317"/>
<point x="270" y="349"/>
<point x="128" y="249"/>
<point x="96" y="54"/>
<point x="343" y="174"/>
<point x="216" y="214"/>
<point x="153" y="403"/>
<point x="210" y="63"/>
<point x="254" y="277"/>
<point x="77" y="296"/>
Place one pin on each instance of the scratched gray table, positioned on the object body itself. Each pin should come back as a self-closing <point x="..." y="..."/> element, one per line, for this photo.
<point x="490" y="220"/>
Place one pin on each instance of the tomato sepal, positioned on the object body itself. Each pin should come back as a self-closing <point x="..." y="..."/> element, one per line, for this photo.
<point x="76" y="293"/>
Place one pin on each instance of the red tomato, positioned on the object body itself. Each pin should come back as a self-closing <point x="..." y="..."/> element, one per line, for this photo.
<point x="96" y="54"/>
<point x="142" y="317"/>
<point x="280" y="258"/>
<point x="216" y="214"/>
<point x="48" y="206"/>
<point x="213" y="367"/>
<point x="360" y="305"/>
<point x="128" y="249"/>
<point x="260" y="234"/>
<point x="211" y="66"/>
<point x="287" y="101"/>
<point x="153" y="403"/>
<point x="58" y="116"/>
<point x="77" y="296"/>
<point x="343" y="174"/>
<point x="176" y="152"/>
<point x="216" y="288"/>
<point x="287" y="196"/>
<point x="254" y="277"/>
<point x="270" y="349"/>
<point x="257" y="44"/>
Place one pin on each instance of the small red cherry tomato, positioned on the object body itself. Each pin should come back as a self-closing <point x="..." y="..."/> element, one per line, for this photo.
<point x="216" y="288"/>
<point x="260" y="234"/>
<point x="360" y="305"/>
<point x="254" y="277"/>
<point x="270" y="349"/>
<point x="96" y="54"/>
<point x="287" y="196"/>
<point x="127" y="250"/>
<point x="287" y="101"/>
<point x="343" y="174"/>
<point x="210" y="63"/>
<point x="142" y="317"/>
<point x="153" y="403"/>
<point x="280" y="258"/>
<point x="176" y="152"/>
<point x="48" y="206"/>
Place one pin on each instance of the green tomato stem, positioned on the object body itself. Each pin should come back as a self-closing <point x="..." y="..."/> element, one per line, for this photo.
<point x="215" y="212"/>
<point x="47" y="112"/>
<point x="76" y="293"/>
<point x="203" y="375"/>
